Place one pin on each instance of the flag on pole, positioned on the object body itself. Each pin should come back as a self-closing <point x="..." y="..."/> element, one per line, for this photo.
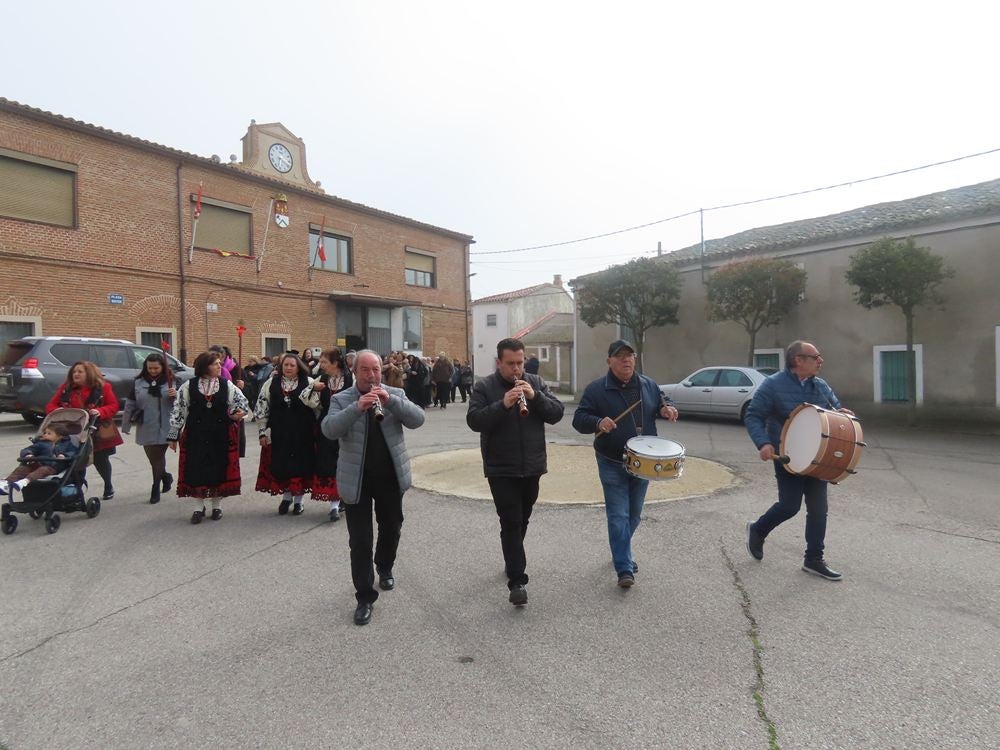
<point x="320" y="249"/>
<point x="194" y="225"/>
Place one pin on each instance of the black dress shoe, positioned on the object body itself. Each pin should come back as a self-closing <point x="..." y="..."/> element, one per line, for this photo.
<point x="298" y="509"/>
<point x="198" y="516"/>
<point x="385" y="580"/>
<point x="216" y="514"/>
<point x="283" y="507"/>
<point x="363" y="614"/>
<point x="168" y="481"/>
<point x="154" y="495"/>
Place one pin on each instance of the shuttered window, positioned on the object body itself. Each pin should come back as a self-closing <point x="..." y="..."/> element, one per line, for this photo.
<point x="895" y="384"/>
<point x="37" y="190"/>
<point x="223" y="228"/>
<point x="420" y="269"/>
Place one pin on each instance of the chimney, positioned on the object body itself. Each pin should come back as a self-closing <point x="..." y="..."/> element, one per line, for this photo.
<point x="557" y="280"/>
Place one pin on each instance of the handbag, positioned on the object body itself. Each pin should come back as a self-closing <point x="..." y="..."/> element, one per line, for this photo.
<point x="107" y="430"/>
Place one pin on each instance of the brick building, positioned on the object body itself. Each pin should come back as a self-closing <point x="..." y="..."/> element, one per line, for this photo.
<point x="96" y="239"/>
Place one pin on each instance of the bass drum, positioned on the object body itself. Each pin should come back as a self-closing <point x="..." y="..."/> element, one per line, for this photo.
<point x="649" y="457"/>
<point x="817" y="442"/>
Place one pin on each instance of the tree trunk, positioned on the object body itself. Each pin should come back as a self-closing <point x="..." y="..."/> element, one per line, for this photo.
<point x="911" y="372"/>
<point x="641" y="344"/>
<point x="753" y="345"/>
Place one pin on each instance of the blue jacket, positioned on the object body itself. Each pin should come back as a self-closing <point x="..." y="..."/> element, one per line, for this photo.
<point x="604" y="398"/>
<point x="777" y="397"/>
<point x="43" y="452"/>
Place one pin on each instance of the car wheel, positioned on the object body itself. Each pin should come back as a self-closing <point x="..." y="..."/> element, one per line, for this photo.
<point x="743" y="411"/>
<point x="31" y="418"/>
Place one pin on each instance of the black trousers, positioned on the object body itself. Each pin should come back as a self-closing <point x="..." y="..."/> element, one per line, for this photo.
<point x="381" y="494"/>
<point x="514" y="497"/>
<point x="442" y="392"/>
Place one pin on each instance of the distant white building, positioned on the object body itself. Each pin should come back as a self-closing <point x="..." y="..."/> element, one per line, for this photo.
<point x="502" y="315"/>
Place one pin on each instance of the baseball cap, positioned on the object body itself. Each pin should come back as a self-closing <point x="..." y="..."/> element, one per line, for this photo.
<point x="617" y="346"/>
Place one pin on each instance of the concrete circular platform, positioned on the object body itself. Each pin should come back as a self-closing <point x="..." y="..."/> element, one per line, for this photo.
<point x="572" y="476"/>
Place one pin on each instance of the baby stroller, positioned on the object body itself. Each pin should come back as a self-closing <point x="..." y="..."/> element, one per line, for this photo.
<point x="62" y="492"/>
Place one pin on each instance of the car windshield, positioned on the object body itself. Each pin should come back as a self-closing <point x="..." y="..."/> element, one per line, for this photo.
<point x="16" y="352"/>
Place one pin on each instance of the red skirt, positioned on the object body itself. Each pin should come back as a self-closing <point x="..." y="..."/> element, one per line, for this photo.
<point x="267" y="482"/>
<point x="231" y="485"/>
<point x="325" y="488"/>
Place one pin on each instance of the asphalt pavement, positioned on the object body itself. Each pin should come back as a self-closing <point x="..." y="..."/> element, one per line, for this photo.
<point x="137" y="629"/>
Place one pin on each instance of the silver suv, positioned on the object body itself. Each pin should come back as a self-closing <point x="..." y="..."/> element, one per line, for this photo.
<point x="33" y="368"/>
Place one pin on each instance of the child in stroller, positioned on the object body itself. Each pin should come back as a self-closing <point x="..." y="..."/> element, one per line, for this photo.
<point x="48" y="453"/>
<point x="52" y="474"/>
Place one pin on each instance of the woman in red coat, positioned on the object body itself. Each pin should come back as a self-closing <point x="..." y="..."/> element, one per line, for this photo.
<point x="85" y="389"/>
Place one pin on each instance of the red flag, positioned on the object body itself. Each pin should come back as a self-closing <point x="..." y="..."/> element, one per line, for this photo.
<point x="320" y="249"/>
<point x="197" y="203"/>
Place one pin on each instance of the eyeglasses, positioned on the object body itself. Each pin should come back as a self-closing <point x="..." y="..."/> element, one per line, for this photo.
<point x="812" y="356"/>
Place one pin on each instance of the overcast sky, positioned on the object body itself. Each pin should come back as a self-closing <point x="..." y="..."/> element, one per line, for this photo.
<point x="530" y="123"/>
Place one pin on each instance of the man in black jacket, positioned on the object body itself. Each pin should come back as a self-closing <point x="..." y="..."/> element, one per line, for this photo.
<point x="510" y="410"/>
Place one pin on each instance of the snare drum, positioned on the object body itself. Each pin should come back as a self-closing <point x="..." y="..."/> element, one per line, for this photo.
<point x="650" y="457"/>
<point x="821" y="443"/>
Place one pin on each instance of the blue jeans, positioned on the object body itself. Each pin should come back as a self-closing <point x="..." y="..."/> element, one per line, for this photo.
<point x="623" y="498"/>
<point x="792" y="488"/>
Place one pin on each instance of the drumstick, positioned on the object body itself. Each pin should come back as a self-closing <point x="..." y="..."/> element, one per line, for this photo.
<point x="617" y="419"/>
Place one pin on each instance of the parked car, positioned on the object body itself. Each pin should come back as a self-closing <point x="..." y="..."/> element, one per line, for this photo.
<point x="722" y="391"/>
<point x="33" y="368"/>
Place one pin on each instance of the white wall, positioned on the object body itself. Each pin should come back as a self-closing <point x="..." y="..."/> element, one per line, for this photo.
<point x="485" y="338"/>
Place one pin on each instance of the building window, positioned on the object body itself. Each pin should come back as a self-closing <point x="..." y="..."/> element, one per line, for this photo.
<point x="769" y="358"/>
<point x="11" y="330"/>
<point x="158" y="338"/>
<point x="36" y="189"/>
<point x="274" y="345"/>
<point x="224" y="226"/>
<point x="420" y="269"/>
<point x="412" y="328"/>
<point x="891" y="365"/>
<point x="491" y="320"/>
<point x="336" y="248"/>
<point x="543" y="354"/>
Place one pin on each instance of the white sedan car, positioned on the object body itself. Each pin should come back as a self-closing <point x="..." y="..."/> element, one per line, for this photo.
<point x="715" y="391"/>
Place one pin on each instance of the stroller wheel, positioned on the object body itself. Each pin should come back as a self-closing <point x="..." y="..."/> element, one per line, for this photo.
<point x="9" y="525"/>
<point x="52" y="526"/>
<point x="35" y="514"/>
<point x="93" y="507"/>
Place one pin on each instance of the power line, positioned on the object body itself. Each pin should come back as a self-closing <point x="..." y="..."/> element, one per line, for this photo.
<point x="741" y="203"/>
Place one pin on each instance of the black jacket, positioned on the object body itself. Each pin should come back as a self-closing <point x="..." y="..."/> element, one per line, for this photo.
<point x="512" y="445"/>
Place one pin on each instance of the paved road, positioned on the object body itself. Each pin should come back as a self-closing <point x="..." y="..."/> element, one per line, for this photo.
<point x="136" y="629"/>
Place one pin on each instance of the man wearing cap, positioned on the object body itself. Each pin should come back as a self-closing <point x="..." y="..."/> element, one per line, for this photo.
<point x="604" y="399"/>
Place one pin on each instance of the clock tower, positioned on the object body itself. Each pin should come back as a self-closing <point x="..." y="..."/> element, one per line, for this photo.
<point x="273" y="149"/>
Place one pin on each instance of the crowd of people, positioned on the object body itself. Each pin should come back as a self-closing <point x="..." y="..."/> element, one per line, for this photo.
<point x="331" y="425"/>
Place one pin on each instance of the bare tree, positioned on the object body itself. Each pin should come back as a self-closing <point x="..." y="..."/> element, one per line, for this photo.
<point x="641" y="294"/>
<point x="892" y="272"/>
<point x="755" y="293"/>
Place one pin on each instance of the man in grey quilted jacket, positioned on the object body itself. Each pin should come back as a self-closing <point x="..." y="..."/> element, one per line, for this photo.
<point x="373" y="472"/>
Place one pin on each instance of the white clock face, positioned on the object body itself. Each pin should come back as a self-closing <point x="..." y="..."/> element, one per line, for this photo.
<point x="281" y="158"/>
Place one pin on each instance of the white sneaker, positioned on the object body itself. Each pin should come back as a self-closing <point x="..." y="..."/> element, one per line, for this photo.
<point x="3" y="487"/>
